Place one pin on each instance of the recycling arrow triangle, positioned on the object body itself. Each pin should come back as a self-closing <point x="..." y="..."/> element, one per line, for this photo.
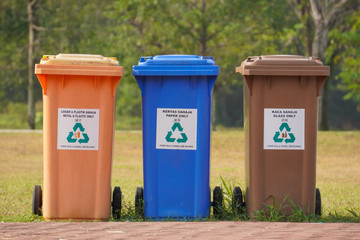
<point x="169" y="135"/>
<point x="78" y="136"/>
<point x="284" y="136"/>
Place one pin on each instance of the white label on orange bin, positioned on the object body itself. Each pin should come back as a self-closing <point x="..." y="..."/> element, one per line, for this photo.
<point x="176" y="128"/>
<point x="78" y="129"/>
<point x="284" y="129"/>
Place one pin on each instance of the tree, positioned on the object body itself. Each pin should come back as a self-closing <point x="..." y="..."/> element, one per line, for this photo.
<point x="13" y="42"/>
<point x="205" y="28"/>
<point x="140" y="31"/>
<point x="326" y="15"/>
<point x="227" y="30"/>
<point x="304" y="29"/>
<point x="49" y="39"/>
<point x="32" y="30"/>
<point x="317" y="18"/>
<point x="347" y="54"/>
<point x="31" y="102"/>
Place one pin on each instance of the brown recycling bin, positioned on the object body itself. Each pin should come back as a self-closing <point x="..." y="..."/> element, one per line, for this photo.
<point x="280" y="124"/>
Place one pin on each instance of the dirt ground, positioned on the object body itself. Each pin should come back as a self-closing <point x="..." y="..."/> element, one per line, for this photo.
<point x="178" y="230"/>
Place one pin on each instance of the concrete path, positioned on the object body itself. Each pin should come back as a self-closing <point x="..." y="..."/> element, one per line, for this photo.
<point x="179" y="230"/>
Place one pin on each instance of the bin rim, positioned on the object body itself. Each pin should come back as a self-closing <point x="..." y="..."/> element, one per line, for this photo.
<point x="79" y="65"/>
<point x="285" y="65"/>
<point x="176" y="59"/>
<point x="79" y="60"/>
<point x="78" y="70"/>
<point x="176" y="65"/>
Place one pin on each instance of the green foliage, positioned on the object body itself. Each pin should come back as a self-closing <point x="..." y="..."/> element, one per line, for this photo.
<point x="229" y="210"/>
<point x="13" y="116"/>
<point x="337" y="217"/>
<point x="13" y="37"/>
<point x="344" y="51"/>
<point x="128" y="213"/>
<point x="39" y="115"/>
<point x="353" y="212"/>
<point x="351" y="66"/>
<point x="229" y="31"/>
<point x="298" y="214"/>
<point x="229" y="106"/>
<point x="274" y="212"/>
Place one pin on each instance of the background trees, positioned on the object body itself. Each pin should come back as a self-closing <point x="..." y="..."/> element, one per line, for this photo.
<point x="227" y="30"/>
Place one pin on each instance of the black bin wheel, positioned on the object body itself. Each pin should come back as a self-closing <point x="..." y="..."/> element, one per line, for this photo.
<point x="37" y="200"/>
<point x="217" y="202"/>
<point x="237" y="201"/>
<point x="139" y="201"/>
<point x="116" y="203"/>
<point x="317" y="202"/>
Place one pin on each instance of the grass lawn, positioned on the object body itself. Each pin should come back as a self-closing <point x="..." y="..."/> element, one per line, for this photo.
<point x="338" y="167"/>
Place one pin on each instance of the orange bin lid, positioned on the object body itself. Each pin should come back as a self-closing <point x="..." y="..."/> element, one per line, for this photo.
<point x="79" y="64"/>
<point x="283" y="65"/>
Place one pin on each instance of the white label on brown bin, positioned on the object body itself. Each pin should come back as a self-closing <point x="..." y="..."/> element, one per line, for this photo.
<point x="176" y="128"/>
<point x="78" y="129"/>
<point x="284" y="128"/>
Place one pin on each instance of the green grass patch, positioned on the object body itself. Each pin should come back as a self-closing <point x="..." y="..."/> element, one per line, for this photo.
<point x="338" y="178"/>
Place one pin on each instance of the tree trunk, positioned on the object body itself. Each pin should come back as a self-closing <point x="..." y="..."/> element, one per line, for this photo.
<point x="326" y="14"/>
<point x="204" y="26"/>
<point x="319" y="46"/>
<point x="324" y="122"/>
<point x="203" y="52"/>
<point x="309" y="28"/>
<point x="31" y="101"/>
<point x="320" y="43"/>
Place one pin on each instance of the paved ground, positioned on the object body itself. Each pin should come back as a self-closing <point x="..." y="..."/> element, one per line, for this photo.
<point x="179" y="230"/>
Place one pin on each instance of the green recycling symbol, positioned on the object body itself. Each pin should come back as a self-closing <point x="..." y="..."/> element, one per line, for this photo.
<point x="75" y="136"/>
<point x="281" y="136"/>
<point x="183" y="138"/>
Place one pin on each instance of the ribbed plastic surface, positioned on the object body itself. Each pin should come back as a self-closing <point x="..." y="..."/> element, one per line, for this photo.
<point x="176" y="180"/>
<point x="175" y="65"/>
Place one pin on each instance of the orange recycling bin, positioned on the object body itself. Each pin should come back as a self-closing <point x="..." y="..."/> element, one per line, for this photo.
<point x="78" y="129"/>
<point x="280" y="126"/>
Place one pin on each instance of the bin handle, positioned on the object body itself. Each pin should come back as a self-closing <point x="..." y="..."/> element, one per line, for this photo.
<point x="249" y="83"/>
<point x="206" y="57"/>
<point x="115" y="83"/>
<point x="43" y="82"/>
<point x="320" y="81"/>
<point x="144" y="59"/>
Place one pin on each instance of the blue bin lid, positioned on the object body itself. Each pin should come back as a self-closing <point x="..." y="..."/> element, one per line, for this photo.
<point x="175" y="65"/>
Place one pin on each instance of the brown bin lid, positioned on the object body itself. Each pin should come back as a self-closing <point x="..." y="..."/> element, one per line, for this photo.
<point x="283" y="65"/>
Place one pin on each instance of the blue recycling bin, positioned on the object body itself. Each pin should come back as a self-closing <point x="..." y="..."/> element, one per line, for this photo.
<point x="176" y="113"/>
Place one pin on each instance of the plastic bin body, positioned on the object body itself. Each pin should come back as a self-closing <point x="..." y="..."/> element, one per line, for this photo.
<point x="176" y="176"/>
<point x="77" y="167"/>
<point x="280" y="124"/>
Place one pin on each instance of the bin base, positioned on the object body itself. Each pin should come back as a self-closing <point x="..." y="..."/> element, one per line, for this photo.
<point x="177" y="219"/>
<point x="77" y="219"/>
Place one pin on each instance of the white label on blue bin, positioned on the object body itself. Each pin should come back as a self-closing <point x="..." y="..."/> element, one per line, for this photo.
<point x="78" y="129"/>
<point x="284" y="129"/>
<point x="176" y="128"/>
